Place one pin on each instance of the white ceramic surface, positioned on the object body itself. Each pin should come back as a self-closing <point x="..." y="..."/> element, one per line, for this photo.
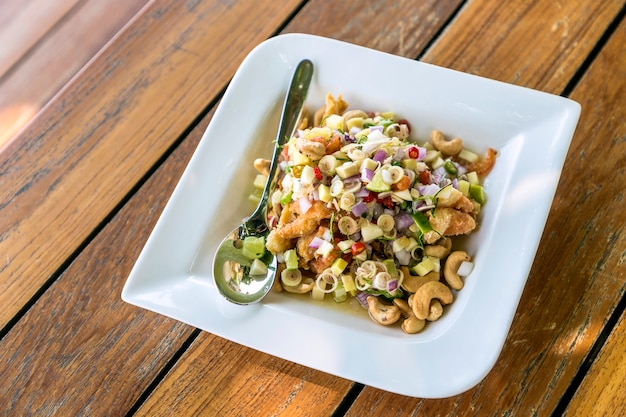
<point x="531" y="131"/>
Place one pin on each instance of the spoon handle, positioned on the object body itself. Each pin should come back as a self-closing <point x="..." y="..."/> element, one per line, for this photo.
<point x="292" y="109"/>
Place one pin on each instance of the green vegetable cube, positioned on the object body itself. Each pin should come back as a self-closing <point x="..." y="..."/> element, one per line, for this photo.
<point x="338" y="266"/>
<point x="348" y="283"/>
<point x="478" y="193"/>
<point x="291" y="259"/>
<point x="253" y="247"/>
<point x="258" y="267"/>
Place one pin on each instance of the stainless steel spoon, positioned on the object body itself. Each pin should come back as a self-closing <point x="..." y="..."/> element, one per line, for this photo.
<point x="231" y="269"/>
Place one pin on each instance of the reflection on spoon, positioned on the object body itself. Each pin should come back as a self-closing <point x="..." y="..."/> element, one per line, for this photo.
<point x="242" y="269"/>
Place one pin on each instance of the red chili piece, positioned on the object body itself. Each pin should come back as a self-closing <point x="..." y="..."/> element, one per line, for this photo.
<point x="387" y="202"/>
<point x="357" y="247"/>
<point x="413" y="152"/>
<point x="318" y="173"/>
<point x="369" y="197"/>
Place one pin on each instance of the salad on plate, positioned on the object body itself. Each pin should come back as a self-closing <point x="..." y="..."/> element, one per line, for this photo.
<point x="364" y="212"/>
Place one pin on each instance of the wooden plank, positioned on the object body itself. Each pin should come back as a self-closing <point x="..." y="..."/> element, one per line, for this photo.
<point x="221" y="378"/>
<point x="567" y="32"/>
<point x="57" y="57"/>
<point x="82" y="155"/>
<point x="403" y="27"/>
<point x="579" y="278"/>
<point x="603" y="393"/>
<point x="81" y="350"/>
<point x="22" y="27"/>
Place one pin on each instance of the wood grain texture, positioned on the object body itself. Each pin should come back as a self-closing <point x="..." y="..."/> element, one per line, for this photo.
<point x="81" y="350"/>
<point x="55" y="58"/>
<point x="540" y="45"/>
<point x="80" y="157"/>
<point x="578" y="276"/>
<point x="603" y="391"/>
<point x="403" y="27"/>
<point x="23" y="25"/>
<point x="220" y="378"/>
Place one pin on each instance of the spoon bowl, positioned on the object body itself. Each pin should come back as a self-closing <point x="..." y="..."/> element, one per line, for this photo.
<point x="238" y="277"/>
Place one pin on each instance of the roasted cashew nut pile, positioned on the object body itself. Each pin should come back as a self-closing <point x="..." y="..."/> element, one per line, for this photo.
<point x="428" y="293"/>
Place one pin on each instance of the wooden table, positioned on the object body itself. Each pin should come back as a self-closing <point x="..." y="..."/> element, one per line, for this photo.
<point x="122" y="93"/>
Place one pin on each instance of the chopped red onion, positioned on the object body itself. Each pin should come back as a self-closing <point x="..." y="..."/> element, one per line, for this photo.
<point x="403" y="221"/>
<point x="367" y="174"/>
<point x="428" y="190"/>
<point x="392" y="285"/>
<point x="305" y="204"/>
<point x="316" y="242"/>
<point x="359" y="208"/>
<point x="376" y="128"/>
<point x="380" y="156"/>
<point x="362" y="297"/>
<point x="440" y="172"/>
<point x="363" y="192"/>
<point x="352" y="179"/>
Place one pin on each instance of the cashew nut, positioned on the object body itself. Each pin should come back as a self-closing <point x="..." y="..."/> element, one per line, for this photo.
<point x="428" y="292"/>
<point x="411" y="324"/>
<point x="382" y="313"/>
<point x="305" y="286"/>
<point x="412" y="282"/>
<point x="452" y="266"/>
<point x="447" y="147"/>
<point x="313" y="150"/>
<point x="440" y="249"/>
<point x="262" y="165"/>
<point x="354" y="113"/>
<point x="435" y="311"/>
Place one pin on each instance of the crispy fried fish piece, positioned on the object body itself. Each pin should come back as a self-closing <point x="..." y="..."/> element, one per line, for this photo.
<point x="304" y="224"/>
<point x="453" y="198"/>
<point x="332" y="106"/>
<point x="275" y="243"/>
<point x="293" y="225"/>
<point x="447" y="221"/>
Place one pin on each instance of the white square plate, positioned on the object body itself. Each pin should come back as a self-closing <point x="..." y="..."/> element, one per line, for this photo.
<point x="531" y="131"/>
